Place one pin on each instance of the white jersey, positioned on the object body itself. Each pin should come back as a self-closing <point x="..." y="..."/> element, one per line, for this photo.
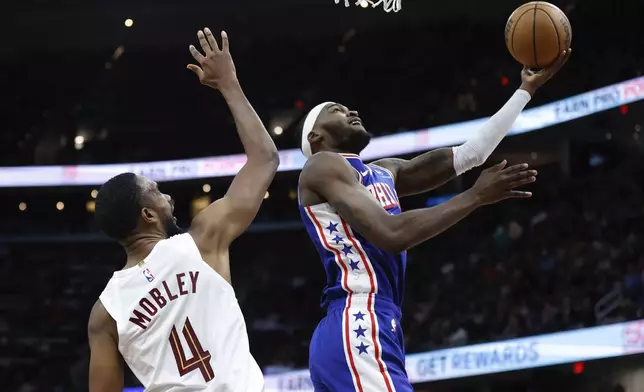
<point x="179" y="324"/>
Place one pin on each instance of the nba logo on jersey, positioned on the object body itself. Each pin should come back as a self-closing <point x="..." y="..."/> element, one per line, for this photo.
<point x="393" y="325"/>
<point x="148" y="275"/>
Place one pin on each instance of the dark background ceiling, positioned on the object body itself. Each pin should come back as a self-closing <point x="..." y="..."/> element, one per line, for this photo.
<point x="59" y="77"/>
<point x="35" y="25"/>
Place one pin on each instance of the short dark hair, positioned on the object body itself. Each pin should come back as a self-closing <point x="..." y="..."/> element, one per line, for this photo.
<point x="118" y="205"/>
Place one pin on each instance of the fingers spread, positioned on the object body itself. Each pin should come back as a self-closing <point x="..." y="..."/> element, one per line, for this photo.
<point x="567" y="55"/>
<point x="224" y="42"/>
<point x="198" y="71"/>
<point x="527" y="71"/>
<point x="521" y="174"/>
<point x="519" y="195"/>
<point x="196" y="54"/>
<point x="521" y="182"/>
<point x="205" y="46"/>
<point x="212" y="42"/>
<point x="561" y="60"/>
<point x="515" y="169"/>
<point x="498" y="167"/>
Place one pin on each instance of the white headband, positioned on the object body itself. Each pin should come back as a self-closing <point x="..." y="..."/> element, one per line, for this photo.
<point x="311" y="118"/>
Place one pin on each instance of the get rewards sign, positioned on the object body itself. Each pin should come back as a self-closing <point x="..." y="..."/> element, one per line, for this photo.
<point x="518" y="354"/>
<point x="505" y="356"/>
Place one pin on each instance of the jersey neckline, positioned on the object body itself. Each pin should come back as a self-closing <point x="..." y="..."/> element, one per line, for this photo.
<point x="129" y="271"/>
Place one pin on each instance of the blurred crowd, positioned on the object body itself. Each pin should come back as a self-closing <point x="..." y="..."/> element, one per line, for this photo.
<point x="571" y="258"/>
<point x="399" y="77"/>
<point x="514" y="269"/>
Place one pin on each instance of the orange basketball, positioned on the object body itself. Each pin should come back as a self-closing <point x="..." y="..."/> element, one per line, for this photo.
<point x="536" y="33"/>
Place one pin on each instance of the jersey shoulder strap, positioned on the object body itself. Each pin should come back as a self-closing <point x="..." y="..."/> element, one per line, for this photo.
<point x="180" y="243"/>
<point x="172" y="250"/>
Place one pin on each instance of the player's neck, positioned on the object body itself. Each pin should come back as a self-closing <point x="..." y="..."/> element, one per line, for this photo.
<point x="348" y="154"/>
<point x="138" y="247"/>
<point x="342" y="152"/>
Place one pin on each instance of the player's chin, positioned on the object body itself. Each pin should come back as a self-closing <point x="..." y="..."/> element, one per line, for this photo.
<point x="359" y="131"/>
<point x="358" y="128"/>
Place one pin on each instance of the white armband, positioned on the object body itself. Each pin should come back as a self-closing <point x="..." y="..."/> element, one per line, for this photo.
<point x="480" y="146"/>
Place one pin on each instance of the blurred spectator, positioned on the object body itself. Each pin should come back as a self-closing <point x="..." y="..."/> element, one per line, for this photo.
<point x="539" y="271"/>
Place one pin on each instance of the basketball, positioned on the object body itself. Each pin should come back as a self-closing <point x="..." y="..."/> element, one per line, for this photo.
<point x="536" y="33"/>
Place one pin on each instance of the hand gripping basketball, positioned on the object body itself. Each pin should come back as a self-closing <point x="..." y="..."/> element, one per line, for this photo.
<point x="531" y="80"/>
<point x="216" y="68"/>
<point x="499" y="183"/>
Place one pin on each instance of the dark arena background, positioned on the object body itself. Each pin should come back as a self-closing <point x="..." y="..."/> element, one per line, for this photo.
<point x="537" y="295"/>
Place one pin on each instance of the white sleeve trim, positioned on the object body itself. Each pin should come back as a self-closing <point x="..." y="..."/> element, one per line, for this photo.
<point x="480" y="146"/>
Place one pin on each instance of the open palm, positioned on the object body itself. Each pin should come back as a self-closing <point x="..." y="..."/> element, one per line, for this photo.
<point x="216" y="68"/>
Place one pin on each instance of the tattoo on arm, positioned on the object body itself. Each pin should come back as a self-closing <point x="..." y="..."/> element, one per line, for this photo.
<point x="436" y="167"/>
<point x="423" y="173"/>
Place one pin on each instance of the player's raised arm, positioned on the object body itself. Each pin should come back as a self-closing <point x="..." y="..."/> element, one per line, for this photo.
<point x="105" y="364"/>
<point x="225" y="219"/>
<point x="434" y="168"/>
<point x="332" y="178"/>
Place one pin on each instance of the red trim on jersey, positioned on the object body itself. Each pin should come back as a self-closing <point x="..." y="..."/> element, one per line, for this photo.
<point x="345" y="272"/>
<point x="372" y="315"/>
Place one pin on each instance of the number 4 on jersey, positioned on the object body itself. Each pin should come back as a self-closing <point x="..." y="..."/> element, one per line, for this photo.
<point x="200" y="357"/>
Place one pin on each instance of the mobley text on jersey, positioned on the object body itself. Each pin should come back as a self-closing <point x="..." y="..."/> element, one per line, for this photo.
<point x="160" y="296"/>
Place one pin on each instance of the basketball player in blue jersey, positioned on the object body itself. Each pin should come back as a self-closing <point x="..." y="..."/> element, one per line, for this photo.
<point x="352" y="213"/>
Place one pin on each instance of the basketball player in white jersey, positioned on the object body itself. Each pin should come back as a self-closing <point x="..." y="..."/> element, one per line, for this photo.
<point x="171" y="312"/>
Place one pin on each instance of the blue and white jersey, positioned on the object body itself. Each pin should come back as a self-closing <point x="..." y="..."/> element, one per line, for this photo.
<point x="353" y="264"/>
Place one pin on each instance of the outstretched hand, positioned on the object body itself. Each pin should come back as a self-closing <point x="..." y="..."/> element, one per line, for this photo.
<point x="216" y="68"/>
<point x="499" y="183"/>
<point x="531" y="80"/>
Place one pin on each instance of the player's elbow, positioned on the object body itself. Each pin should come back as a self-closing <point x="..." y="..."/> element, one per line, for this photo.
<point x="268" y="158"/>
<point x="402" y="243"/>
<point x="467" y="157"/>
<point x="273" y="159"/>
